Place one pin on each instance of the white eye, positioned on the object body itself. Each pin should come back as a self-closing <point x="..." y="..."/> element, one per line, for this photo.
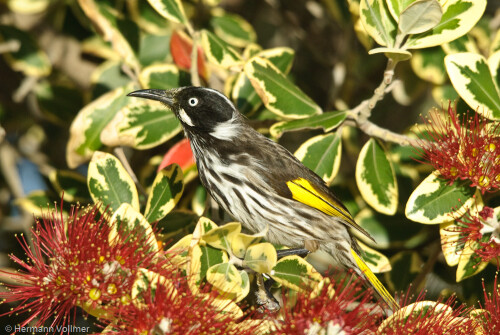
<point x="192" y="102"/>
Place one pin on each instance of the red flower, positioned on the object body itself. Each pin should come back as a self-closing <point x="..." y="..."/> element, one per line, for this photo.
<point x="173" y="309"/>
<point x="429" y="317"/>
<point x="484" y="229"/>
<point x="73" y="263"/>
<point x="338" y="307"/>
<point x="466" y="148"/>
<point x="490" y="320"/>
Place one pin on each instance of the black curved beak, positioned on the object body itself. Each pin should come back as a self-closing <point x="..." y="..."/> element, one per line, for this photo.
<point x="164" y="96"/>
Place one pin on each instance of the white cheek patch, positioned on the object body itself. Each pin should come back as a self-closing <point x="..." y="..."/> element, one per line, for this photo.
<point x="226" y="131"/>
<point x="185" y="118"/>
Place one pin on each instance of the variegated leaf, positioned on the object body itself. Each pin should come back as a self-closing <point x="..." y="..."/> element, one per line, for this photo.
<point x="127" y="219"/>
<point x="232" y="28"/>
<point x="170" y="9"/>
<point x="111" y="26"/>
<point x="165" y="193"/>
<point x="322" y="155"/>
<point x="425" y="308"/>
<point x="278" y="94"/>
<point x="260" y="257"/>
<point x="378" y="22"/>
<point x="149" y="280"/>
<point x="86" y="128"/>
<point x="209" y="257"/>
<point x="326" y="121"/>
<point x="397" y="6"/>
<point x="241" y="242"/>
<point x="296" y="273"/>
<point x="376" y="261"/>
<point x="29" y="59"/>
<point x="178" y="252"/>
<point x="107" y="77"/>
<point x="28" y="7"/>
<point x="35" y="203"/>
<point x="419" y="17"/>
<point x="71" y="185"/>
<point x="471" y="76"/>
<point x="428" y="64"/>
<point x="434" y="200"/>
<point x="244" y="95"/>
<point x="203" y="226"/>
<point x="470" y="263"/>
<point x="161" y="76"/>
<point x="221" y="237"/>
<point x="219" y="52"/>
<point x="392" y="53"/>
<point x="451" y="242"/>
<point x="142" y="124"/>
<point x="225" y="277"/>
<point x="376" y="178"/>
<point x="459" y="16"/>
<point x="109" y="182"/>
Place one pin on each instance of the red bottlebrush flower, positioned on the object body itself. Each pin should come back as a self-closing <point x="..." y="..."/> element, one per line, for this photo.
<point x="336" y="308"/>
<point x="173" y="309"/>
<point x="73" y="263"/>
<point x="490" y="320"/>
<point x="429" y="317"/>
<point x="483" y="228"/>
<point x="467" y="149"/>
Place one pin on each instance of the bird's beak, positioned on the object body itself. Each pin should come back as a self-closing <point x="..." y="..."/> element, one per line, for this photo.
<point x="164" y="96"/>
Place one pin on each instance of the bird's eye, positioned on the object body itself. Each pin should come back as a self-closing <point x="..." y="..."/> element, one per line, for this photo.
<point x="192" y="102"/>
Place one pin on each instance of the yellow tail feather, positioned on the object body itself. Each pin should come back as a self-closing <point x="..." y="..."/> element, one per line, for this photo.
<point x="377" y="285"/>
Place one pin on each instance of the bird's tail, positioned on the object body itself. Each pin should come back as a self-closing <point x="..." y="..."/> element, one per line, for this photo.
<point x="374" y="282"/>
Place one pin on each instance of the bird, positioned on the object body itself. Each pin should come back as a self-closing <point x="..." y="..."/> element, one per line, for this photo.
<point x="263" y="185"/>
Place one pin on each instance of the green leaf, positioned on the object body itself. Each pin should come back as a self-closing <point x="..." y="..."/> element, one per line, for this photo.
<point x="322" y="155"/>
<point x="390" y="231"/>
<point x="29" y="59"/>
<point x="71" y="185"/>
<point x="378" y="22"/>
<point x="376" y="178"/>
<point x="142" y="124"/>
<point x="406" y="266"/>
<point x="219" y="52"/>
<point x="86" y="128"/>
<point x="153" y="49"/>
<point x="165" y="193"/>
<point x="279" y="95"/>
<point x="170" y="9"/>
<point x="296" y="273"/>
<point x="225" y="277"/>
<point x="232" y="28"/>
<point x="260" y="257"/>
<point x="470" y="262"/>
<point x="106" y="77"/>
<point x="459" y="16"/>
<point x="428" y="64"/>
<point x="241" y="242"/>
<point x="245" y="96"/>
<point x="471" y="77"/>
<point x="434" y="200"/>
<point x="420" y="16"/>
<point x="36" y="203"/>
<point x="109" y="182"/>
<point x="327" y="121"/>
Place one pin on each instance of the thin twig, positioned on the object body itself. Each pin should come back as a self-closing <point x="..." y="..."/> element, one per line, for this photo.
<point x="10" y="46"/>
<point x="121" y="156"/>
<point x="428" y="266"/>
<point x="27" y="85"/>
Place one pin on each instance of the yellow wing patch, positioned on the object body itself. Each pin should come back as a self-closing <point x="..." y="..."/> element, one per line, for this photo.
<point x="377" y="285"/>
<point x="303" y="191"/>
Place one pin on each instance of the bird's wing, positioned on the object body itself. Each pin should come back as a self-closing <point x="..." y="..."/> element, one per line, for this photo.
<point x="303" y="190"/>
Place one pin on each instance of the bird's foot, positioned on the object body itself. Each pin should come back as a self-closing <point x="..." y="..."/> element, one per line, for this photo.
<point x="265" y="299"/>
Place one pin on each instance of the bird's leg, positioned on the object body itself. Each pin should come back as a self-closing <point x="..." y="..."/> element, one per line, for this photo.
<point x="265" y="298"/>
<point x="289" y="252"/>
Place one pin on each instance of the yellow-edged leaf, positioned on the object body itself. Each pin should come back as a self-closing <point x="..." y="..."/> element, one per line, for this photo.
<point x="296" y="273"/>
<point x="225" y="277"/>
<point x="222" y="236"/>
<point x="260" y="257"/>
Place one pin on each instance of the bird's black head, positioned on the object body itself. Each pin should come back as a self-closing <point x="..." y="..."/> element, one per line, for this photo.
<point x="199" y="109"/>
